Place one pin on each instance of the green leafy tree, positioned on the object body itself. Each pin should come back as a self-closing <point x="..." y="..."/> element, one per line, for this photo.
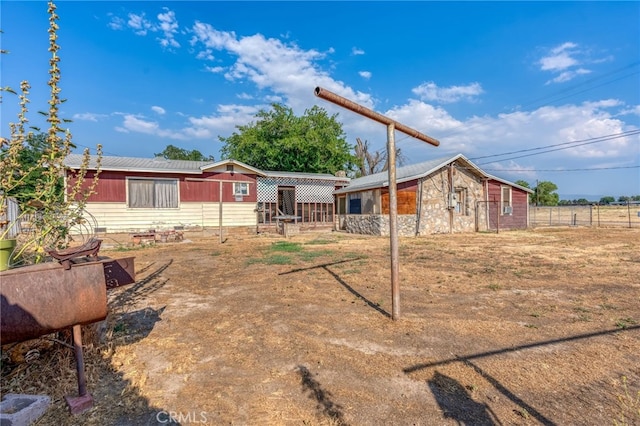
<point x="623" y="199"/>
<point x="607" y="200"/>
<point x="30" y="158"/>
<point x="279" y="140"/>
<point x="172" y="152"/>
<point x="545" y="194"/>
<point x="525" y="184"/>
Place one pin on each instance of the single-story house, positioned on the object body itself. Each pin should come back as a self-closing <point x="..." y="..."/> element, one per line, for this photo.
<point x="140" y="194"/>
<point x="444" y="195"/>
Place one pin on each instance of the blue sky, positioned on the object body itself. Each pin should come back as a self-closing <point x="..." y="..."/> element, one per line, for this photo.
<point x="483" y="78"/>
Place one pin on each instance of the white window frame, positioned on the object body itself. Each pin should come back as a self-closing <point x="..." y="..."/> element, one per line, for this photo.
<point x="506" y="206"/>
<point x="240" y="189"/>
<point x="154" y="179"/>
<point x="461" y="207"/>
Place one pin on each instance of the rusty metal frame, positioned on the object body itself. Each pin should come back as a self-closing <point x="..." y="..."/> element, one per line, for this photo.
<point x="392" y="126"/>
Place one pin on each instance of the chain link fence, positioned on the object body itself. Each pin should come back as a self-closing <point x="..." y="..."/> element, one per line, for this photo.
<point x="590" y="215"/>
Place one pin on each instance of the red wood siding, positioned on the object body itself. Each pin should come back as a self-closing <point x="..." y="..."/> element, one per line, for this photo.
<point x="519" y="202"/>
<point x="406" y="198"/>
<point x="112" y="186"/>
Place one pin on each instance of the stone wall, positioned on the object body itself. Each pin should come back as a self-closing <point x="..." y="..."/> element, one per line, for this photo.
<point x="375" y="224"/>
<point x="436" y="216"/>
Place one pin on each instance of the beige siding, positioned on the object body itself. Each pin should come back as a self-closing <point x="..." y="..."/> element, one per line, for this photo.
<point x="116" y="217"/>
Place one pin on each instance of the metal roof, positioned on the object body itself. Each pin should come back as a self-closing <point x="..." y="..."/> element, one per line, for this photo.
<point x="134" y="164"/>
<point x="403" y="174"/>
<point x="415" y="171"/>
<point x="161" y="165"/>
<point x="301" y="175"/>
<point x="529" y="190"/>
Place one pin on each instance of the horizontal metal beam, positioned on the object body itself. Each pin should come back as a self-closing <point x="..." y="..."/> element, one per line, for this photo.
<point x="350" y="105"/>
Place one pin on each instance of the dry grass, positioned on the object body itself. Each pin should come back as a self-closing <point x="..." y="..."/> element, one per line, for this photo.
<point x="534" y="327"/>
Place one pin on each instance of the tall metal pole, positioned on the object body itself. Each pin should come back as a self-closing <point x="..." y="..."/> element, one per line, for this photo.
<point x="392" y="126"/>
<point x="393" y="222"/>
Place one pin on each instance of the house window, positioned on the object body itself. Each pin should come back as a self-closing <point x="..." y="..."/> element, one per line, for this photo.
<point x="461" y="201"/>
<point x="241" y="188"/>
<point x="152" y="193"/>
<point x="355" y="204"/>
<point x="505" y="196"/>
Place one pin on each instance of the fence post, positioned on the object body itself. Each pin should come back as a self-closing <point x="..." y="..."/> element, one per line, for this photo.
<point x="629" y="211"/>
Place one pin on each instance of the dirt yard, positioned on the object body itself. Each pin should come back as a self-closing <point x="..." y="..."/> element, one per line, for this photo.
<point x="516" y="328"/>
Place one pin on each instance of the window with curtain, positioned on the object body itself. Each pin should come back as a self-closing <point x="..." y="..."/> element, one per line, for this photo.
<point x="153" y="193"/>
<point x="506" y="200"/>
<point x="240" y="188"/>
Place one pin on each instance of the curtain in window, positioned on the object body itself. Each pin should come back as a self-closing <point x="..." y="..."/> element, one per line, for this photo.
<point x="166" y="192"/>
<point x="140" y="193"/>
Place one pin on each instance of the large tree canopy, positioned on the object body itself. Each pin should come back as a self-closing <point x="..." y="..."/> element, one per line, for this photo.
<point x="279" y="140"/>
<point x="545" y="194"/>
<point x="172" y="152"/>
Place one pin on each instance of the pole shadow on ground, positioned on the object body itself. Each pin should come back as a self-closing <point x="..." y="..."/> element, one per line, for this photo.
<point x="322" y="397"/>
<point x="325" y="266"/>
<point x="456" y="402"/>
<point x="467" y="360"/>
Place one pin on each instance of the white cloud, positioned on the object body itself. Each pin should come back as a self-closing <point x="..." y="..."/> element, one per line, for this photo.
<point x="225" y="120"/>
<point x="132" y="123"/>
<point x="115" y="22"/>
<point x="158" y="110"/>
<point x="431" y="92"/>
<point x="215" y="70"/>
<point x="568" y="75"/>
<point x="139" y="24"/>
<point x="206" y="54"/>
<point x="283" y="68"/>
<point x="169" y="27"/>
<point x="273" y="99"/>
<point x="567" y="61"/>
<point x="355" y="51"/>
<point x="559" y="58"/>
<point x="244" y="96"/>
<point x="88" y="116"/>
<point x="365" y="74"/>
<point x="167" y="24"/>
<point x="634" y="110"/>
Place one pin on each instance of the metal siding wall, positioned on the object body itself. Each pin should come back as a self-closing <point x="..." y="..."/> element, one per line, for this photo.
<point x="116" y="217"/>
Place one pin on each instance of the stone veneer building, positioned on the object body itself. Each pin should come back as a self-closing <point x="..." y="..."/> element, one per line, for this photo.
<point x="444" y="195"/>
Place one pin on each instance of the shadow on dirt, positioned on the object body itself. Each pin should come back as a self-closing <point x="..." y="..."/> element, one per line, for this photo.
<point x="466" y="360"/>
<point x="456" y="403"/>
<point x="325" y="406"/>
<point x="337" y="277"/>
<point x="141" y="288"/>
